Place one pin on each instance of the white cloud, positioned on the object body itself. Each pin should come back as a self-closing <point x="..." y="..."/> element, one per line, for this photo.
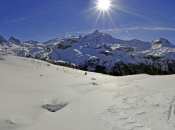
<point x="139" y="28"/>
<point x="160" y="28"/>
<point x="120" y="29"/>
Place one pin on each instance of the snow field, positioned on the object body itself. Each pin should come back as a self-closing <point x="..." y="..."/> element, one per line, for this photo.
<point x="36" y="95"/>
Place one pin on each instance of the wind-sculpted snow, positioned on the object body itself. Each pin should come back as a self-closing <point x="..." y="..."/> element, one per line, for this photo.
<point x="101" y="53"/>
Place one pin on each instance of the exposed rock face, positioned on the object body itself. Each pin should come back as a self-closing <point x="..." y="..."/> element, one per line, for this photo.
<point x="107" y="53"/>
<point x="67" y="43"/>
<point x="63" y="46"/>
<point x="125" y="49"/>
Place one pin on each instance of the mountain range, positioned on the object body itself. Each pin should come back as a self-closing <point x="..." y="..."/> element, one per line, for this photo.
<point x="98" y="52"/>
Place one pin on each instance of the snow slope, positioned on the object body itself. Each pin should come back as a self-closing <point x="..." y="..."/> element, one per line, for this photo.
<point x="31" y="89"/>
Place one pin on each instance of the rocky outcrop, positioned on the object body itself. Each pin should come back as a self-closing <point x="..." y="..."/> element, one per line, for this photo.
<point x="63" y="46"/>
<point x="125" y="49"/>
<point x="67" y="43"/>
<point x="107" y="53"/>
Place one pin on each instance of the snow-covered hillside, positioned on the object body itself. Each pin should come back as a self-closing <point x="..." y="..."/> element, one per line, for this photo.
<point x="36" y="95"/>
<point x="99" y="52"/>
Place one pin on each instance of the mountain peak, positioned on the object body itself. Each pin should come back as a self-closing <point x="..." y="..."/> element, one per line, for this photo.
<point x="161" y="41"/>
<point x="98" y="37"/>
<point x="2" y="39"/>
<point x="32" y="42"/>
<point x="14" y="40"/>
<point x="96" y="31"/>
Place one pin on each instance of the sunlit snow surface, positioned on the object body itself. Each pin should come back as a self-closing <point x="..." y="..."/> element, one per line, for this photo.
<point x="29" y="88"/>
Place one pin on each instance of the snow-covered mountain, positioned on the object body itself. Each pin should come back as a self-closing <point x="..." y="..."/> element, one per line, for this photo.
<point x="99" y="52"/>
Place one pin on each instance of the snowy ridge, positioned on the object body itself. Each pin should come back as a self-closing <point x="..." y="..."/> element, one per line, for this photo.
<point x="101" y="53"/>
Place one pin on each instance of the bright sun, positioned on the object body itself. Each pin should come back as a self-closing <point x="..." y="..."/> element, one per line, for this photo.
<point x="104" y="4"/>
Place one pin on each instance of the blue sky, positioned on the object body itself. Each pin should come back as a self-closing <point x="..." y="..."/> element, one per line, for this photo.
<point x="43" y="20"/>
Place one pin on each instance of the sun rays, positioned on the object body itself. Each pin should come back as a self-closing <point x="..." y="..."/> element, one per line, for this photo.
<point x="108" y="11"/>
<point x="104" y="9"/>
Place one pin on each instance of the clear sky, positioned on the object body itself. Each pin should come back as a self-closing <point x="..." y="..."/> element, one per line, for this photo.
<point x="43" y="20"/>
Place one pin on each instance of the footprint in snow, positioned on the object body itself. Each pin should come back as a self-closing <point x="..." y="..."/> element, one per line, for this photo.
<point x="10" y="120"/>
<point x="94" y="83"/>
<point x="122" y="121"/>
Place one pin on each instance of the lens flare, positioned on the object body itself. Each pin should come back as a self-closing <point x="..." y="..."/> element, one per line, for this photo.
<point x="103" y="4"/>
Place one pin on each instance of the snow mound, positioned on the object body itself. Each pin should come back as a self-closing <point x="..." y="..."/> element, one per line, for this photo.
<point x="55" y="107"/>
